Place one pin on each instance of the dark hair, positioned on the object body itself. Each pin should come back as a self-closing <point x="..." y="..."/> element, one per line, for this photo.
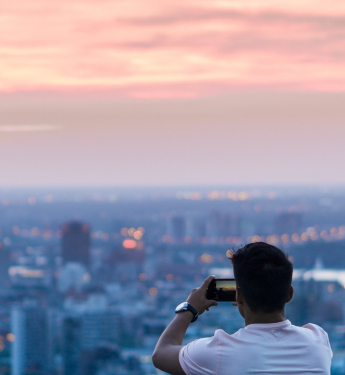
<point x="264" y="275"/>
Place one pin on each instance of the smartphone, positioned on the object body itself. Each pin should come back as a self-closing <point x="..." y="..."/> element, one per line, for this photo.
<point x="222" y="290"/>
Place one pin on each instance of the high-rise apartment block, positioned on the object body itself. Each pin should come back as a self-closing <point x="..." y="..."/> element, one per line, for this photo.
<point x="76" y="243"/>
<point x="84" y="332"/>
<point x="177" y="227"/>
<point x="288" y="222"/>
<point x="32" y="349"/>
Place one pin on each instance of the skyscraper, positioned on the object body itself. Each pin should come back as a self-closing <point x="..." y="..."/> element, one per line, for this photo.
<point x="288" y="222"/>
<point x="177" y="227"/>
<point x="71" y="348"/>
<point x="76" y="243"/>
<point x="84" y="332"/>
<point x="32" y="348"/>
<point x="223" y="224"/>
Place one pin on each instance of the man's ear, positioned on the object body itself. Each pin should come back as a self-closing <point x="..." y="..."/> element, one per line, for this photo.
<point x="239" y="296"/>
<point x="290" y="296"/>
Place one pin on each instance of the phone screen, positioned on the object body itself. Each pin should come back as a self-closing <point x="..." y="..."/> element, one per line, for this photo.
<point x="222" y="290"/>
<point x="225" y="284"/>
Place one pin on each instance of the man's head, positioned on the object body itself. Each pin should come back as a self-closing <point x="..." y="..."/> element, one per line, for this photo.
<point x="263" y="275"/>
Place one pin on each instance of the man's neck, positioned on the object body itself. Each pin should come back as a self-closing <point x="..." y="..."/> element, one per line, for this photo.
<point x="265" y="318"/>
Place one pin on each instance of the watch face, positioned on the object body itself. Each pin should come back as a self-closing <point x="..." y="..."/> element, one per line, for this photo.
<point x="182" y="306"/>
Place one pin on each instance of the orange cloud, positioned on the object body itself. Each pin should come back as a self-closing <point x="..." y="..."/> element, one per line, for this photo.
<point x="173" y="49"/>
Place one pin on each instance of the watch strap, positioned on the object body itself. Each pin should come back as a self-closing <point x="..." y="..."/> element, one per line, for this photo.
<point x="189" y="307"/>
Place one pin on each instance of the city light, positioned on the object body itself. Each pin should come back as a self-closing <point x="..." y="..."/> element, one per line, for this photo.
<point x="35" y="231"/>
<point x="16" y="230"/>
<point x="153" y="291"/>
<point x="86" y="229"/>
<point x="32" y="201"/>
<point x="10" y="337"/>
<point x="330" y="288"/>
<point x="232" y="195"/>
<point x="213" y="195"/>
<point x="131" y="231"/>
<point x="243" y="196"/>
<point x="129" y="244"/>
<point x="206" y="258"/>
<point x="295" y="237"/>
<point x="273" y="239"/>
<point x="137" y="234"/>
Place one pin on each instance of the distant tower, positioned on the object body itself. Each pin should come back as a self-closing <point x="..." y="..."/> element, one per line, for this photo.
<point x="76" y="243"/>
<point x="318" y="264"/>
<point x="71" y="348"/>
<point x="32" y="348"/>
<point x="177" y="227"/>
<point x="83" y="332"/>
<point x="288" y="222"/>
<point x="222" y="224"/>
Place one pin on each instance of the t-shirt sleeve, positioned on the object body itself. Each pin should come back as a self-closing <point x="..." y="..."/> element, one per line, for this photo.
<point x="321" y="334"/>
<point x="199" y="357"/>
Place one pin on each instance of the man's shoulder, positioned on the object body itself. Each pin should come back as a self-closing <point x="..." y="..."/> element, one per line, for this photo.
<point x="317" y="332"/>
<point x="314" y="327"/>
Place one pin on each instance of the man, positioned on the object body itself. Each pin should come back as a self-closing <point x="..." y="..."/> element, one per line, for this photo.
<point x="269" y="343"/>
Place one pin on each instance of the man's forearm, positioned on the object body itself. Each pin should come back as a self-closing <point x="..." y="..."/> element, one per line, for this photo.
<point x="166" y="353"/>
<point x="175" y="331"/>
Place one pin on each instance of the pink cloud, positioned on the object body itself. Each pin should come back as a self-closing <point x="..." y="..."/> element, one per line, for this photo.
<point x="141" y="49"/>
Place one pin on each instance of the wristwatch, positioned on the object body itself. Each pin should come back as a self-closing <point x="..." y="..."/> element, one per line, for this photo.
<point x="185" y="306"/>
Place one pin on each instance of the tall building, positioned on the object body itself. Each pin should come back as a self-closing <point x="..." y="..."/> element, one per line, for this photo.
<point x="71" y="348"/>
<point x="221" y="224"/>
<point x="288" y="222"/>
<point x="33" y="346"/>
<point x="73" y="276"/>
<point x="199" y="228"/>
<point x="84" y="332"/>
<point x="5" y="263"/>
<point x="76" y="243"/>
<point x="99" y="327"/>
<point x="177" y="227"/>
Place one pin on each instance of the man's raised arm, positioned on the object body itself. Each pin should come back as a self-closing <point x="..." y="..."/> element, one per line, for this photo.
<point x="166" y="354"/>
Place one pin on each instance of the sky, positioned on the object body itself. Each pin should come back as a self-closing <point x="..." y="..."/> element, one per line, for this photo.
<point x="189" y="92"/>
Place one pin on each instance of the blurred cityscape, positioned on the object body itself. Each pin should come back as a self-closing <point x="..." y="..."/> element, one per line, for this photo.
<point x="91" y="277"/>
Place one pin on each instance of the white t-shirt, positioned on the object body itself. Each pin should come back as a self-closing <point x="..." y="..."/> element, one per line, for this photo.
<point x="277" y="348"/>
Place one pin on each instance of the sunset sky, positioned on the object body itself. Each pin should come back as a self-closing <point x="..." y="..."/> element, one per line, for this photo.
<point x="172" y="92"/>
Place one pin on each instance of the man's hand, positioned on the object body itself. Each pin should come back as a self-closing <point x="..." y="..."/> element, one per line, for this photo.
<point x="198" y="297"/>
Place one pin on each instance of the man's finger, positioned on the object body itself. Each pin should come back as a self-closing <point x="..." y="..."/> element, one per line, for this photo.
<point x="230" y="253"/>
<point x="234" y="304"/>
<point x="206" y="283"/>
